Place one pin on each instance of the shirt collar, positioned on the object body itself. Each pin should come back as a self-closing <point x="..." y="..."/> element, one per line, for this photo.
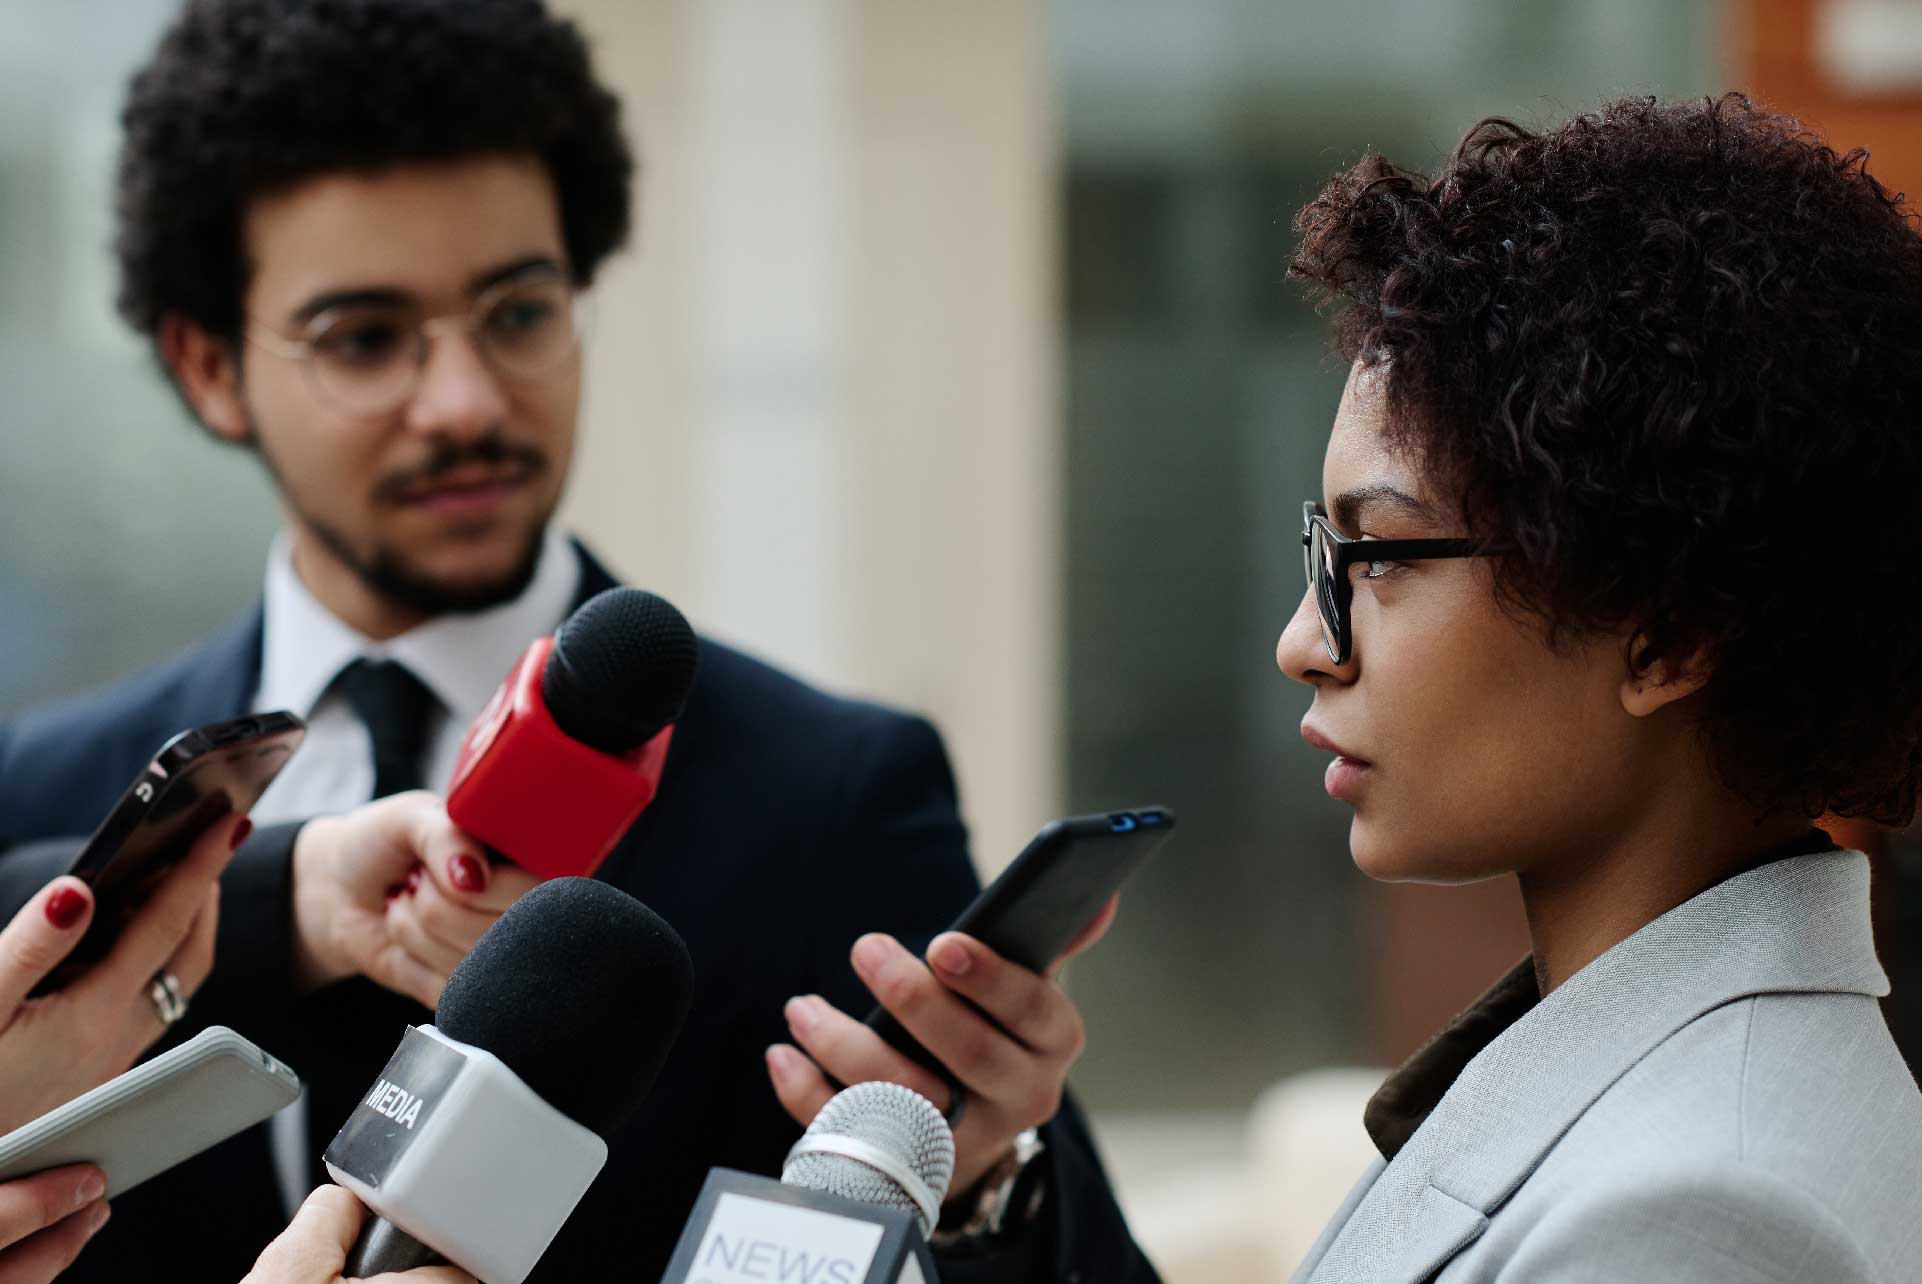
<point x="461" y="658"/>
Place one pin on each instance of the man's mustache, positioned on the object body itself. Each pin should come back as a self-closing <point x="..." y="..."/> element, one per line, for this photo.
<point x="491" y="451"/>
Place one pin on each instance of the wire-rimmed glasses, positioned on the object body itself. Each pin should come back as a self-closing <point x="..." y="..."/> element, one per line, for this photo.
<point x="368" y="358"/>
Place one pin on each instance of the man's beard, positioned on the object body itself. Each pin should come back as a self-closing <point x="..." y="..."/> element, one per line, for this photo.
<point x="386" y="572"/>
<point x="388" y="575"/>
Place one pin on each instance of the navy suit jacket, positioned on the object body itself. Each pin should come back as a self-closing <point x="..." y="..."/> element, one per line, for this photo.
<point x="788" y="823"/>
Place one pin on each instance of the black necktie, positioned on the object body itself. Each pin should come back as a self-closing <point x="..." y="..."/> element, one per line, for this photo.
<point x="353" y="1025"/>
<point x="395" y="706"/>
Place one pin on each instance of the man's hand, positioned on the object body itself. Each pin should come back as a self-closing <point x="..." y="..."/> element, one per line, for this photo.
<point x="1013" y="1062"/>
<point x="313" y="1250"/>
<point x="393" y="891"/>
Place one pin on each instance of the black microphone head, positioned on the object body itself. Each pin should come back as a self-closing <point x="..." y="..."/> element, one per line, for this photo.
<point x="581" y="990"/>
<point x="620" y="670"/>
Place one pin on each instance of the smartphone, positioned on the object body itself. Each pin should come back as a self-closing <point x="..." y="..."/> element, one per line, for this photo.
<point x="1054" y="889"/>
<point x="197" y="778"/>
<point x="157" y="1114"/>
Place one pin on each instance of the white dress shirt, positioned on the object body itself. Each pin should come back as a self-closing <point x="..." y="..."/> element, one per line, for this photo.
<point x="460" y="658"/>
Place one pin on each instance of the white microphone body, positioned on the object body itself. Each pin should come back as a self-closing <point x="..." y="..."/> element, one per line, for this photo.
<point x="858" y="1196"/>
<point x="457" y="1152"/>
<point x="748" y="1230"/>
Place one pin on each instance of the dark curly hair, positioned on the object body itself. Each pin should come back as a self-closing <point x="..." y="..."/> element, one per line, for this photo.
<point x="244" y="97"/>
<point x="1668" y="358"/>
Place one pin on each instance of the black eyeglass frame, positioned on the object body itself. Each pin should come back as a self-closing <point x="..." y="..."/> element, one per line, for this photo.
<point x="1334" y="601"/>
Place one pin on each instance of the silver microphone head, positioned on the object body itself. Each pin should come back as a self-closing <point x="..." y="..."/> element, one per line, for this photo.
<point x="877" y="1143"/>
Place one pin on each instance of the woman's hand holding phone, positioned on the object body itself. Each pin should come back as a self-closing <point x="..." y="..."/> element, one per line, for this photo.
<point x="1008" y="1035"/>
<point x="59" y="1045"/>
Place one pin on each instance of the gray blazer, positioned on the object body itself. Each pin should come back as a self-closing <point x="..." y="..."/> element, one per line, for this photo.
<point x="1714" y="1100"/>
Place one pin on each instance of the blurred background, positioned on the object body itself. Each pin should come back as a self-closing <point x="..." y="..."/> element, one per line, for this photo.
<point x="953" y="364"/>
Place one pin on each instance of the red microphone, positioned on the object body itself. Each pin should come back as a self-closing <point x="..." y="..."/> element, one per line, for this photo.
<point x="569" y="751"/>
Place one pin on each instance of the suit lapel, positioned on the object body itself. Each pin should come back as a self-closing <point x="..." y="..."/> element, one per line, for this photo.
<point x="595" y="578"/>
<point x="225" y="675"/>
<point x="1799" y="925"/>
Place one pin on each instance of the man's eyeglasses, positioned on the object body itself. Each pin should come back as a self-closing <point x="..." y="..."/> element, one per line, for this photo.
<point x="1327" y="556"/>
<point x="369" y="358"/>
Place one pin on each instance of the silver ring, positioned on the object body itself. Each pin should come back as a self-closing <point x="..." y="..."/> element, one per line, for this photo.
<point x="164" y="993"/>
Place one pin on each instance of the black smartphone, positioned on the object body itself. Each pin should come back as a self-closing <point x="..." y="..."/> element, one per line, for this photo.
<point x="197" y="777"/>
<point x="1054" y="889"/>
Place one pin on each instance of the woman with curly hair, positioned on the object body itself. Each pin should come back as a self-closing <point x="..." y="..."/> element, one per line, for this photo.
<point x="1613" y="588"/>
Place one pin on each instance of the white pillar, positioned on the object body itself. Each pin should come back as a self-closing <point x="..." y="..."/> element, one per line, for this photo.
<point x="821" y="411"/>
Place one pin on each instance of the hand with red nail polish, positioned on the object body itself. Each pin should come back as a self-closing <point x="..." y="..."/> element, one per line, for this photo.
<point x="395" y="892"/>
<point x="58" y="1045"/>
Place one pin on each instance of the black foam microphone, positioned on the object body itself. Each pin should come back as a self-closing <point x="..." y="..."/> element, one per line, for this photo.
<point x="620" y="670"/>
<point x="487" y="1127"/>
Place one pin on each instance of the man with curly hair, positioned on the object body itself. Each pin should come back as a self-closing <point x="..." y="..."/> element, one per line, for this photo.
<point x="356" y="232"/>
<point x="1611" y="589"/>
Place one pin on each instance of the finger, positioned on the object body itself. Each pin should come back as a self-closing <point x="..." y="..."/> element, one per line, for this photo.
<point x="1090" y="934"/>
<point x="41" y="1256"/>
<point x="987" y="1060"/>
<point x="424" y="1275"/>
<point x="189" y="967"/>
<point x="459" y="867"/>
<point x="798" y="1083"/>
<point x="392" y="966"/>
<point x="164" y="921"/>
<point x="852" y="1052"/>
<point x="31" y="1204"/>
<point x="315" y="1244"/>
<point x="1034" y="1009"/>
<point x="445" y="920"/>
<point x="404" y="928"/>
<point x="192" y="962"/>
<point x="40" y="935"/>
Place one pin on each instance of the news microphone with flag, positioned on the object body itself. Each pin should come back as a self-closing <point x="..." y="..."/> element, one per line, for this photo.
<point x="859" y="1195"/>
<point x="570" y="749"/>
<point x="487" y="1126"/>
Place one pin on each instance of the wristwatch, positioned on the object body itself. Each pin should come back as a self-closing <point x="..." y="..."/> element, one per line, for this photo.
<point x="1008" y="1197"/>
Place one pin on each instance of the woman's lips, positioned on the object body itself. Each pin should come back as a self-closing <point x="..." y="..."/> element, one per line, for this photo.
<point x="1346" y="773"/>
<point x="1344" y="777"/>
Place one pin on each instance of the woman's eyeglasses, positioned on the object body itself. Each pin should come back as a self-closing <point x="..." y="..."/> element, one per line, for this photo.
<point x="1327" y="555"/>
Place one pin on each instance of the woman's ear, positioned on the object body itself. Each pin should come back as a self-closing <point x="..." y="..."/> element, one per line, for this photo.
<point x="207" y="371"/>
<point x="1651" y="685"/>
